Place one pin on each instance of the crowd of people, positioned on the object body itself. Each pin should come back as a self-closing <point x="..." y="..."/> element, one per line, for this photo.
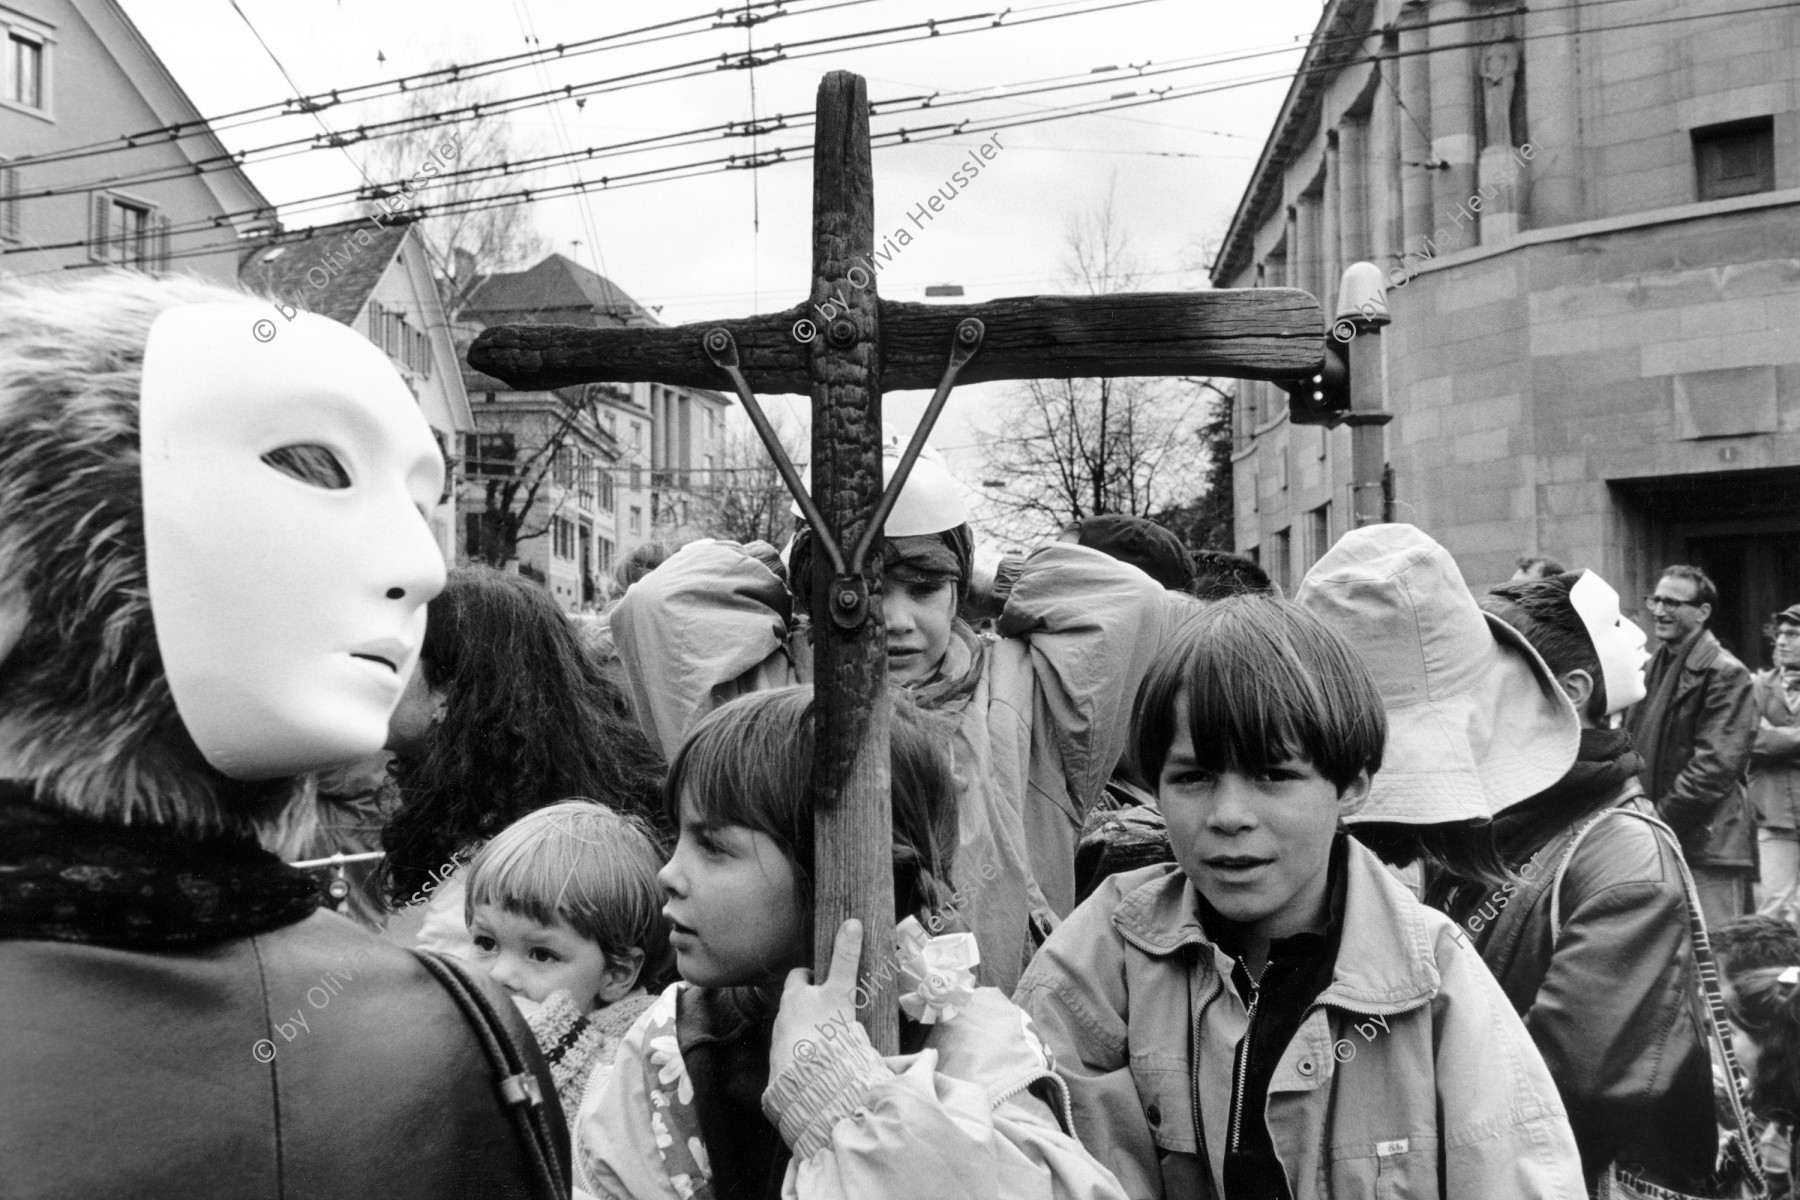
<point x="1383" y="889"/>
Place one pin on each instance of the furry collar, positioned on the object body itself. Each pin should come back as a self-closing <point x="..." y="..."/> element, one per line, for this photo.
<point x="68" y="878"/>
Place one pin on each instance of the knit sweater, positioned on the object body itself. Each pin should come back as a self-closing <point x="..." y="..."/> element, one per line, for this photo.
<point x="580" y="1047"/>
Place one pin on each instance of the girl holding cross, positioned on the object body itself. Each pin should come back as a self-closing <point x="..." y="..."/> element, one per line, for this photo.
<point x="1040" y="713"/>
<point x="747" y="1080"/>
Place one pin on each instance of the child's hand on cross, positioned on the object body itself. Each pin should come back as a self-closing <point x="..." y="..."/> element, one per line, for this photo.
<point x="810" y="1011"/>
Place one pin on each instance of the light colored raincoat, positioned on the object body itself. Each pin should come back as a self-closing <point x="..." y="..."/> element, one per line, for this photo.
<point x="1409" y="1076"/>
<point x="978" y="1112"/>
<point x="1041" y="712"/>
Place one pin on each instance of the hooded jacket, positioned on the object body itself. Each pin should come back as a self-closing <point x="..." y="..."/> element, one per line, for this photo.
<point x="1041" y="713"/>
<point x="978" y="1112"/>
<point x="1409" y="1075"/>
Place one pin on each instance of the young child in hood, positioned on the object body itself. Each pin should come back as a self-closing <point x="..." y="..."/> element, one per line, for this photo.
<point x="563" y="908"/>
<point x="1040" y="712"/>
<point x="1274" y="1014"/>
<point x="735" y="1084"/>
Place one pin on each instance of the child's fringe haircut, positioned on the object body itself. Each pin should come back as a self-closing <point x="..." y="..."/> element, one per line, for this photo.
<point x="1264" y="681"/>
<point x="749" y="763"/>
<point x="585" y="864"/>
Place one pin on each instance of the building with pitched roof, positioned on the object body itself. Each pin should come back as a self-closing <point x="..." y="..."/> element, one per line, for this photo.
<point x="77" y="73"/>
<point x="668" y="441"/>
<point x="373" y="275"/>
<point x="1589" y="215"/>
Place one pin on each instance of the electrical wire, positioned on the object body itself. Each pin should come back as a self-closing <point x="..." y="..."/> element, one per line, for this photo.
<point x="456" y="72"/>
<point x="298" y="146"/>
<point x="1006" y="92"/>
<point x="693" y="68"/>
<point x="421" y="80"/>
<point x="900" y="136"/>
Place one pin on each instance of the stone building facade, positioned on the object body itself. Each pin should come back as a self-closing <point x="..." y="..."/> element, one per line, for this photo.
<point x="1589" y="214"/>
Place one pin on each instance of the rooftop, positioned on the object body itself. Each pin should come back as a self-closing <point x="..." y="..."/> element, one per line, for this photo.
<point x="290" y="265"/>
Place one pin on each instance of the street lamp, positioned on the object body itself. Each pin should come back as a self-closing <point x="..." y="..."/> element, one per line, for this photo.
<point x="1362" y="311"/>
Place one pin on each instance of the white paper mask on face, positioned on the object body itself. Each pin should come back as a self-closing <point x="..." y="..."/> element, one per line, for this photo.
<point x="1618" y="643"/>
<point x="288" y="614"/>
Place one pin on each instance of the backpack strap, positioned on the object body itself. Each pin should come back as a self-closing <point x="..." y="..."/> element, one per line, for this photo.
<point x="1742" y="1138"/>
<point x="516" y="1069"/>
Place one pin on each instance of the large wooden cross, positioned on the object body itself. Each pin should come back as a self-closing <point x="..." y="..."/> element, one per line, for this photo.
<point x="856" y="345"/>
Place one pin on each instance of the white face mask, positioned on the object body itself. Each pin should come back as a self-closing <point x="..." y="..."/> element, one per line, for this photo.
<point x="288" y="615"/>
<point x="1618" y="643"/>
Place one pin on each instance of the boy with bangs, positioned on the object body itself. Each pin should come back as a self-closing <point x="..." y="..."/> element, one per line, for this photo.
<point x="1274" y="1015"/>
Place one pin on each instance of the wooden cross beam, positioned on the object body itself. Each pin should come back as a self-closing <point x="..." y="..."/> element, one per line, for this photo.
<point x="858" y="345"/>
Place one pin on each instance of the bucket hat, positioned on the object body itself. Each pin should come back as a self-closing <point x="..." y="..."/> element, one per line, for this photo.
<point x="1476" y="721"/>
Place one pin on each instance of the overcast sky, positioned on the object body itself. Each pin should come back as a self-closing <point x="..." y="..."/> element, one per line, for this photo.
<point x="697" y="247"/>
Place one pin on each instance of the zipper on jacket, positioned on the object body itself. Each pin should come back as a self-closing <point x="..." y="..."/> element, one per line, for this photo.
<point x="1065" y="1110"/>
<point x="1240" y="1069"/>
<point x="1194" y="1068"/>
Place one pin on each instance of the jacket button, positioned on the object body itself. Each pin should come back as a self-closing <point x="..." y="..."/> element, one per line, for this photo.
<point x="1154" y="1114"/>
<point x="1306" y="1067"/>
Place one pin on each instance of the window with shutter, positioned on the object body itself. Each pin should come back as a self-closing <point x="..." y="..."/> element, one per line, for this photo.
<point x="160" y="255"/>
<point x="99" y="225"/>
<point x="9" y="203"/>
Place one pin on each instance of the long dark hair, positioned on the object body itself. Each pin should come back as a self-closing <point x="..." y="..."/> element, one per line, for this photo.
<point x="530" y="719"/>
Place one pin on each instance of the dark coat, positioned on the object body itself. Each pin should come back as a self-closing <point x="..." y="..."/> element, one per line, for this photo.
<point x="1697" y="751"/>
<point x="137" y="1074"/>
<point x="1613" y="1004"/>
<point x="1775" y="757"/>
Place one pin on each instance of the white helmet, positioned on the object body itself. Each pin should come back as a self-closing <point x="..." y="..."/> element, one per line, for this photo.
<point x="931" y="501"/>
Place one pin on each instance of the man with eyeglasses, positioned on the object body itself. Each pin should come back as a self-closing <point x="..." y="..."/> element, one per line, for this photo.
<point x="1695" y="729"/>
<point x="1775" y="763"/>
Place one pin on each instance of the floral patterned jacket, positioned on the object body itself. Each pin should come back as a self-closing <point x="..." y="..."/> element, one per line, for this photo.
<point x="978" y="1112"/>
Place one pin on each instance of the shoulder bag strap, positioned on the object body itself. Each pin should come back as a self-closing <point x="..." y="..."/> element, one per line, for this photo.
<point x="1746" y="1132"/>
<point x="1631" y="791"/>
<point x="521" y="1095"/>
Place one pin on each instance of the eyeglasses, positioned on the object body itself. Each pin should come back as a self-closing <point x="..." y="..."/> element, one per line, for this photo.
<point x="1655" y="601"/>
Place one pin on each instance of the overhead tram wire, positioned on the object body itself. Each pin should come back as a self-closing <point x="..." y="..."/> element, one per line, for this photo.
<point x="972" y="96"/>
<point x="936" y="98"/>
<point x="901" y="136"/>
<point x="203" y="125"/>
<point x="300" y="104"/>
<point x="879" y="139"/>
<point x="931" y="27"/>
<point x="413" y="123"/>
<point x="410" y="124"/>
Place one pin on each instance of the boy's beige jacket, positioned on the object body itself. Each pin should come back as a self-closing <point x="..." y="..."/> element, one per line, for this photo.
<point x="1410" y="1076"/>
